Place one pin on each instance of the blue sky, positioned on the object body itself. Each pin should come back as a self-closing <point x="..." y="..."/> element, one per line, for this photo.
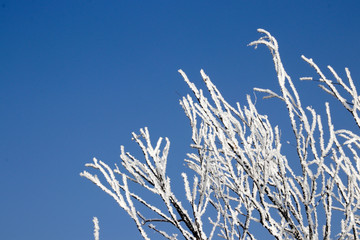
<point x="77" y="77"/>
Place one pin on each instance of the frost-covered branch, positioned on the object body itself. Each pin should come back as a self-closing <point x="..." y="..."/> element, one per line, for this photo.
<point x="96" y="228"/>
<point x="329" y="86"/>
<point x="151" y="176"/>
<point x="240" y="179"/>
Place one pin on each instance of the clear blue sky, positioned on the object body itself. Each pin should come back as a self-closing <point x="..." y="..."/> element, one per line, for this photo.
<point x="77" y="77"/>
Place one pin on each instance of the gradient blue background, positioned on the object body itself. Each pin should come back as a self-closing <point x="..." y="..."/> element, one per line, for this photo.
<point x="77" y="77"/>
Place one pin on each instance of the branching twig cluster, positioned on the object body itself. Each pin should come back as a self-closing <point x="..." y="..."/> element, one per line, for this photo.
<point x="241" y="177"/>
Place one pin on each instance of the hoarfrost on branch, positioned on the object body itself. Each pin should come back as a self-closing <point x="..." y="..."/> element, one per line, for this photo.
<point x="241" y="180"/>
